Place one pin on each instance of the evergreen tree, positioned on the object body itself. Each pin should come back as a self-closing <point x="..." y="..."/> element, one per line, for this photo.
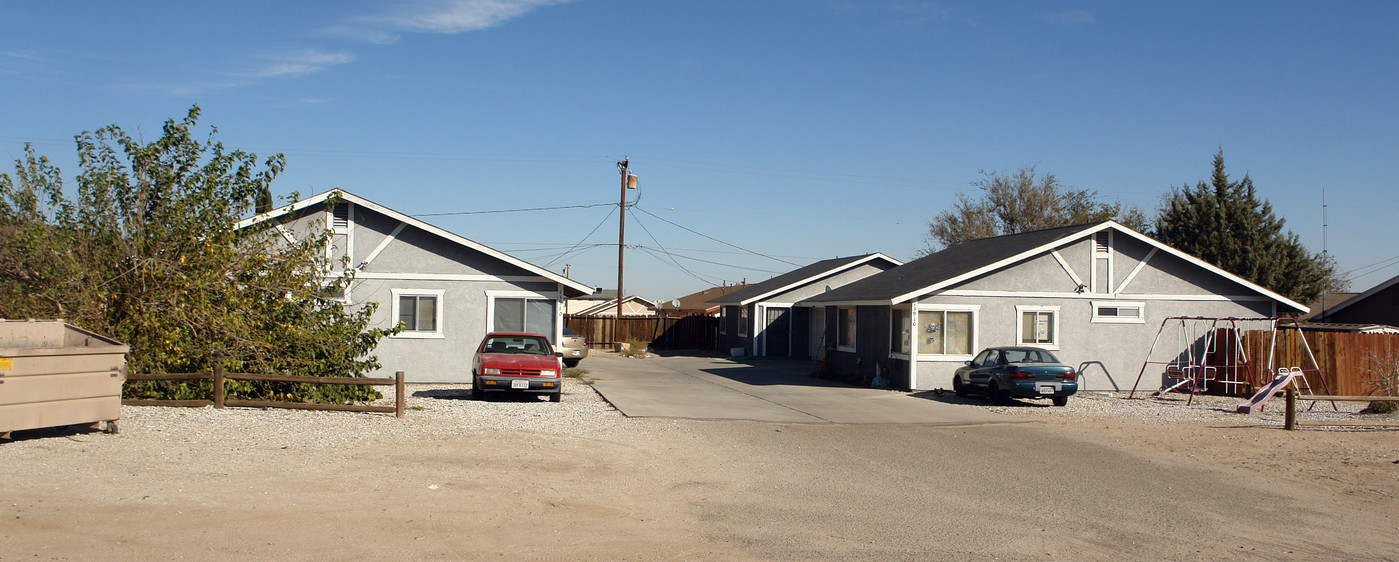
<point x="1224" y="223"/>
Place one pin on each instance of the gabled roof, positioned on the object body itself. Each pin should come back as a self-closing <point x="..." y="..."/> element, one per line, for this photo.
<point x="699" y="300"/>
<point x="1362" y="296"/>
<point x="346" y="196"/>
<point x="975" y="258"/>
<point x="599" y="295"/>
<point x="612" y="305"/>
<point x="796" y="278"/>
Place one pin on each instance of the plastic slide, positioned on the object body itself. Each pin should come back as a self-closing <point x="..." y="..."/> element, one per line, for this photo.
<point x="1260" y="398"/>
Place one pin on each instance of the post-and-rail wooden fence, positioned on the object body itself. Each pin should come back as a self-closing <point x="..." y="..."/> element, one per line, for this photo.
<point x="1290" y="420"/>
<point x="219" y="401"/>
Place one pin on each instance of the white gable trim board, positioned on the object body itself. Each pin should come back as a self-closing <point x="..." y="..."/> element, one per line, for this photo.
<point x="818" y="276"/>
<point x="1050" y="247"/>
<point x="452" y="311"/>
<point x="356" y="200"/>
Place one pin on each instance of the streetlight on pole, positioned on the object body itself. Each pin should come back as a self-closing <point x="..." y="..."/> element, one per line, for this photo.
<point x="628" y="182"/>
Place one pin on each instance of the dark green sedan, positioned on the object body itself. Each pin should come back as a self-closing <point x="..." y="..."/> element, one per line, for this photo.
<point x="1022" y="372"/>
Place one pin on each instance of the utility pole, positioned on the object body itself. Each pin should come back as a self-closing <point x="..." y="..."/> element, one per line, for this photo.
<point x="628" y="182"/>
<point x="1322" y="317"/>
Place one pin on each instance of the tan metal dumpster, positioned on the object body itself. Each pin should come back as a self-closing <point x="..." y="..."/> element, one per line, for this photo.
<point x="53" y="374"/>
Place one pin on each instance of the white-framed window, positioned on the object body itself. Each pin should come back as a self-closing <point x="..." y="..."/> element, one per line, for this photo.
<point x="723" y="320"/>
<point x="742" y="320"/>
<point x="946" y="332"/>
<point x="845" y="328"/>
<point x="1119" y="312"/>
<point x="419" y="311"/>
<point x="1037" y="326"/>
<point x="518" y="311"/>
<point x="899" y="330"/>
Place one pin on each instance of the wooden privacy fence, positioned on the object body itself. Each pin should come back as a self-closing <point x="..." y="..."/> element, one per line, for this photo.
<point x="695" y="331"/>
<point x="1344" y="359"/>
<point x="219" y="400"/>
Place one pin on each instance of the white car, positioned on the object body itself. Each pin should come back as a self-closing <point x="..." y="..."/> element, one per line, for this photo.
<point x="574" y="348"/>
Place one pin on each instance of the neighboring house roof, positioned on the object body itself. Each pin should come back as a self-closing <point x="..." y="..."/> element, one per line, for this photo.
<point x="1325" y="304"/>
<point x="612" y="305"/>
<point x="1353" y="328"/>
<point x="1362" y="296"/>
<point x="599" y="295"/>
<point x="975" y="258"/>
<point x="798" y="277"/>
<point x="580" y="288"/>
<point x="699" y="300"/>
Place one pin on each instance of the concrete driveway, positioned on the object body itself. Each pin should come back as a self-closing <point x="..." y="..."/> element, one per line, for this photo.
<point x="760" y="390"/>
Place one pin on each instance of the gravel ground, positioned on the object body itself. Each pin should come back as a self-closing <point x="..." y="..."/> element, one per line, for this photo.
<point x="1174" y="407"/>
<point x="526" y="478"/>
<point x="433" y="410"/>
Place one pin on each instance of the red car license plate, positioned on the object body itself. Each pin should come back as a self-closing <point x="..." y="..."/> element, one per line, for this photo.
<point x="519" y="384"/>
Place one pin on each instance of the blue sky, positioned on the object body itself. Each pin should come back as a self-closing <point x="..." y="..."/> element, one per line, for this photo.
<point x="799" y="130"/>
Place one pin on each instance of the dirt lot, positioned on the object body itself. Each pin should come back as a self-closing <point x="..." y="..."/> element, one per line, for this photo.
<point x="531" y="479"/>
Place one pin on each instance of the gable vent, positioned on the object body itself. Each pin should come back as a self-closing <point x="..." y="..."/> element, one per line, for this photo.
<point x="1100" y="243"/>
<point x="341" y="216"/>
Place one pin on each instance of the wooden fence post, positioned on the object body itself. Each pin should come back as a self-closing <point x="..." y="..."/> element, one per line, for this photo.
<point x="1290" y="416"/>
<point x="218" y="385"/>
<point x="398" y="398"/>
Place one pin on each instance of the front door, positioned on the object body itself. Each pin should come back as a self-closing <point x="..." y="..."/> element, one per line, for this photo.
<point x="778" y="335"/>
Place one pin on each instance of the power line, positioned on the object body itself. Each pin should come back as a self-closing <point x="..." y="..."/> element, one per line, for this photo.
<point x="692" y="231"/>
<point x="585" y="238"/>
<point x="458" y="213"/>
<point x="667" y="252"/>
<point x="676" y="265"/>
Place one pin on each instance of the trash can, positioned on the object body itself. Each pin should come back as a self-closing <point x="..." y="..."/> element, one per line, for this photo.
<point x="54" y="374"/>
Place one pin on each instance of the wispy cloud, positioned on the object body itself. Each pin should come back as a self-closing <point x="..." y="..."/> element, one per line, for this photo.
<point x="435" y="16"/>
<point x="26" y="55"/>
<point x="920" y="13"/>
<point x="1075" y="17"/>
<point x="291" y="65"/>
<point x="416" y="16"/>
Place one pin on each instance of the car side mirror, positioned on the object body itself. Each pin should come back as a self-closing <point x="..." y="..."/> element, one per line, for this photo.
<point x="966" y="362"/>
<point x="558" y="354"/>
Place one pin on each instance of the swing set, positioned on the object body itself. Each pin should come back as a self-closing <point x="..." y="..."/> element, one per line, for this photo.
<point x="1211" y="353"/>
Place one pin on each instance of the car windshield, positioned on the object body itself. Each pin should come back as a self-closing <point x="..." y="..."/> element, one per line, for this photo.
<point x="529" y="345"/>
<point x="568" y="332"/>
<point x="1029" y="356"/>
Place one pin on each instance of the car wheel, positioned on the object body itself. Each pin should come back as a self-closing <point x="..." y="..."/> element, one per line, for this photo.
<point x="570" y="363"/>
<point x="1060" y="400"/>
<point x="957" y="386"/>
<point x="994" y="392"/>
<point x="476" y="392"/>
<point x="557" y="396"/>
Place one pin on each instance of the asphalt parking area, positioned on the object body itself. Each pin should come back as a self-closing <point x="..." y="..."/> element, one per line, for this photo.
<point x="768" y="390"/>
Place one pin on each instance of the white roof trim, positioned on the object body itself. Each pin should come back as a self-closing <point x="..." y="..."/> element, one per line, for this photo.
<point x="1362" y="296"/>
<point x="352" y="198"/>
<point x="612" y="303"/>
<point x="826" y="273"/>
<point x="1089" y="231"/>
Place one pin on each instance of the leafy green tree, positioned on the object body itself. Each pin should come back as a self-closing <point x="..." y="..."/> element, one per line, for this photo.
<point x="1022" y="201"/>
<point x="1224" y="223"/>
<point x="147" y="251"/>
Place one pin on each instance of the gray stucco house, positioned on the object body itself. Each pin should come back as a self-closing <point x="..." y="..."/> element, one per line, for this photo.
<point x="763" y="320"/>
<point x="447" y="290"/>
<point x="1096" y="294"/>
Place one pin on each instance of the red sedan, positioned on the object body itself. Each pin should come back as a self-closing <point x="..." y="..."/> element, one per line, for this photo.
<point x="517" y="362"/>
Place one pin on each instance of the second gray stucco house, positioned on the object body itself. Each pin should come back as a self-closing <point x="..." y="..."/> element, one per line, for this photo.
<point x="1096" y="294"/>
<point x="447" y="290"/>
<point x="761" y="319"/>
